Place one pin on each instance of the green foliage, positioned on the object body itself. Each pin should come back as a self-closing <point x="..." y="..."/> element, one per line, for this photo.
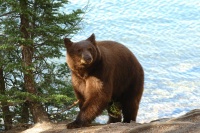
<point x="46" y="26"/>
<point x="115" y="109"/>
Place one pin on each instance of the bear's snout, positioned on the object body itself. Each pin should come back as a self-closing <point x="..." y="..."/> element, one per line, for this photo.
<point x="86" y="59"/>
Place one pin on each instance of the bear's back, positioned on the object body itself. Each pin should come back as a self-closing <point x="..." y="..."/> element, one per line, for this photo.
<point x="116" y="53"/>
<point x="112" y="45"/>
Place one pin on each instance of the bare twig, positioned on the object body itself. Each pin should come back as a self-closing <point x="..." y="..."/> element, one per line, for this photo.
<point x="68" y="108"/>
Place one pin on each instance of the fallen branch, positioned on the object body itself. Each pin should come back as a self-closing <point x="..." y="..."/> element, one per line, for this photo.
<point x="68" y="108"/>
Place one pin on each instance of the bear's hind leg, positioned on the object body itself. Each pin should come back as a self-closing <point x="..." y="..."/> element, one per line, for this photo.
<point x="129" y="110"/>
<point x="130" y="105"/>
<point x="131" y="99"/>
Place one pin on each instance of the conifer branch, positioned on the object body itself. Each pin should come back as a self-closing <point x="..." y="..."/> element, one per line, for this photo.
<point x="6" y="14"/>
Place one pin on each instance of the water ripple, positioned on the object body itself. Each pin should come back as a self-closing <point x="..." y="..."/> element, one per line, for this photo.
<point x="165" y="37"/>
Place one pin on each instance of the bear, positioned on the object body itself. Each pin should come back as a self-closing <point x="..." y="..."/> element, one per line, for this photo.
<point x="104" y="73"/>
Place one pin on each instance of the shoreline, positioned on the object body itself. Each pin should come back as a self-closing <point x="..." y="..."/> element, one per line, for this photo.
<point x="189" y="122"/>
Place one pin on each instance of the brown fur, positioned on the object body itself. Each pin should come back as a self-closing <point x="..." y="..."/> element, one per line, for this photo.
<point x="103" y="72"/>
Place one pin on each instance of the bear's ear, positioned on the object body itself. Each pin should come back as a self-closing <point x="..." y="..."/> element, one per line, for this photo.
<point x="92" y="39"/>
<point x="68" y="42"/>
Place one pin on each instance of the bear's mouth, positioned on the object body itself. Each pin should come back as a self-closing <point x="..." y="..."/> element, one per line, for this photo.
<point x="84" y="64"/>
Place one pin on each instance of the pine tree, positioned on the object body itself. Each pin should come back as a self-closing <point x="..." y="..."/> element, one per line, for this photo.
<point x="6" y="114"/>
<point x="32" y="33"/>
<point x="5" y="108"/>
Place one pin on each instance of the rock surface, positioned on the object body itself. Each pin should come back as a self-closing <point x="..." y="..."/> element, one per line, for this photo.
<point x="188" y="123"/>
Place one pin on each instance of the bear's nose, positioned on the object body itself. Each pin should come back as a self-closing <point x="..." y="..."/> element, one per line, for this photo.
<point x="88" y="59"/>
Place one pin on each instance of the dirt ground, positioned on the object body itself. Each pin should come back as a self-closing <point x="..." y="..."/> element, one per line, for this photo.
<point x="188" y="123"/>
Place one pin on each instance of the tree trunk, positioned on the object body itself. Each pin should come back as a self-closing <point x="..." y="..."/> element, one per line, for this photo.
<point x="25" y="113"/>
<point x="7" y="117"/>
<point x="38" y="112"/>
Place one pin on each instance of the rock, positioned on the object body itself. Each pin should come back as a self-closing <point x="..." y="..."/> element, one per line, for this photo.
<point x="188" y="123"/>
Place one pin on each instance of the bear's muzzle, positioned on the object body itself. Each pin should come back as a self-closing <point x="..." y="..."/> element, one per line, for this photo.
<point x="86" y="59"/>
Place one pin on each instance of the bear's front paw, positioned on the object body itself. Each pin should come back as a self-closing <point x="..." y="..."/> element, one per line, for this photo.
<point x="75" y="124"/>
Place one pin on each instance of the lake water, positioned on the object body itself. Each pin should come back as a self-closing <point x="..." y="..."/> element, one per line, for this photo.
<point x="165" y="37"/>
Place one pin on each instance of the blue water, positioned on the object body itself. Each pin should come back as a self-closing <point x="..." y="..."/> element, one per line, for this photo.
<point x="165" y="37"/>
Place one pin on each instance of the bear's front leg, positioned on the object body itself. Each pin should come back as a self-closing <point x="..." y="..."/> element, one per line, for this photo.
<point x="91" y="108"/>
<point x="96" y="99"/>
<point x="76" y="124"/>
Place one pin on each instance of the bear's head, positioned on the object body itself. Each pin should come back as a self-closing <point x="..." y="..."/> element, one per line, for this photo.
<point x="81" y="54"/>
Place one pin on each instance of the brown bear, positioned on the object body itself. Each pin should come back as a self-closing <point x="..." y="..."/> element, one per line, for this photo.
<point x="103" y="73"/>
